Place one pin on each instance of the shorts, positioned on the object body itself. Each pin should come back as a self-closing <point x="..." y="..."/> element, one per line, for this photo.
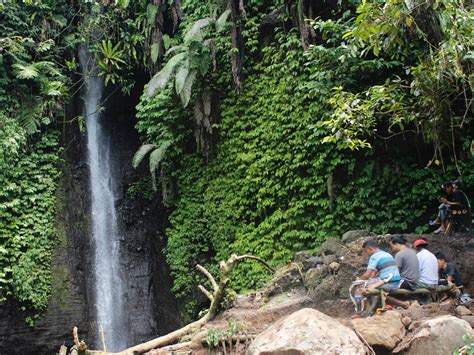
<point x="406" y="286"/>
<point x="386" y="287"/>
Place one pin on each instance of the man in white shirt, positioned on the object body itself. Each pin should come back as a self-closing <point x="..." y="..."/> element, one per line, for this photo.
<point x="428" y="265"/>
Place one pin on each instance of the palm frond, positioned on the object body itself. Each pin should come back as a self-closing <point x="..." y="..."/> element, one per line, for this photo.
<point x="160" y="80"/>
<point x="158" y="154"/>
<point x="154" y="52"/>
<point x="185" y="93"/>
<point x="196" y="32"/>
<point x="140" y="154"/>
<point x="180" y="78"/>
<point x="221" y="22"/>
<point x="29" y="71"/>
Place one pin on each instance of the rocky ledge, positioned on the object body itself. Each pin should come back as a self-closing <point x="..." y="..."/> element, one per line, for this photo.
<point x="305" y="309"/>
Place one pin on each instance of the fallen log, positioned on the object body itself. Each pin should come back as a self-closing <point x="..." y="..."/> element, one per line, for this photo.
<point x="418" y="291"/>
<point x="216" y="297"/>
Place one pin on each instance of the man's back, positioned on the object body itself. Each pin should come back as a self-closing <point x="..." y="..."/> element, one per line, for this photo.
<point x="408" y="265"/>
<point x="385" y="264"/>
<point x="428" y="268"/>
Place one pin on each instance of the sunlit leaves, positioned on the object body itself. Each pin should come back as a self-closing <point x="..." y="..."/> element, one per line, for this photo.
<point x="110" y="60"/>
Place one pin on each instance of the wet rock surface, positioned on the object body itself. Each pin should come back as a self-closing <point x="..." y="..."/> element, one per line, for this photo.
<point x="152" y="308"/>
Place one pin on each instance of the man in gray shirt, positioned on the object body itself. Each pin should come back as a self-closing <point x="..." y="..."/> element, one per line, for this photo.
<point x="407" y="262"/>
<point x="408" y="266"/>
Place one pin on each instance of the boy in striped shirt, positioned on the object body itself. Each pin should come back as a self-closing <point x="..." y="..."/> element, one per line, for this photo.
<point x="382" y="271"/>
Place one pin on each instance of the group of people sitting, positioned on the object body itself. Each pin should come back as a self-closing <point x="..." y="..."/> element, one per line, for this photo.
<point x="409" y="269"/>
<point x="454" y="212"/>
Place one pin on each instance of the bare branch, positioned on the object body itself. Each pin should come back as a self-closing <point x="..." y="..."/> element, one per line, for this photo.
<point x="206" y="292"/>
<point x="209" y="276"/>
<point x="216" y="298"/>
<point x="260" y="260"/>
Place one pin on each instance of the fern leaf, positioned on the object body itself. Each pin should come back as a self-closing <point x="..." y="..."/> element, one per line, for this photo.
<point x="221" y="22"/>
<point x="185" y="93"/>
<point x="158" y="154"/>
<point x="151" y="11"/>
<point x="174" y="49"/>
<point x="140" y="154"/>
<point x="180" y="77"/>
<point x="26" y="71"/>
<point x="160" y="80"/>
<point x="154" y="52"/>
<point x="196" y="32"/>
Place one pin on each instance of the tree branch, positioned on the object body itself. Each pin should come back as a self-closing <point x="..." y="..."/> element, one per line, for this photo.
<point x="216" y="298"/>
<point x="263" y="262"/>
<point x="206" y="292"/>
<point x="208" y="275"/>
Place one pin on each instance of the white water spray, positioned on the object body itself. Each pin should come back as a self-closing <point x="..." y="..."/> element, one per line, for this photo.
<point x="109" y="298"/>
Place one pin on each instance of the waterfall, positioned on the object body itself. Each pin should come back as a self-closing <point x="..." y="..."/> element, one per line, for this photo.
<point x="108" y="295"/>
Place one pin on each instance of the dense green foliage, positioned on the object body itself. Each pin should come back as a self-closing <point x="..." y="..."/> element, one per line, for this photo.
<point x="27" y="221"/>
<point x="265" y="133"/>
<point x="33" y="88"/>
<point x="281" y="179"/>
<point x="38" y="50"/>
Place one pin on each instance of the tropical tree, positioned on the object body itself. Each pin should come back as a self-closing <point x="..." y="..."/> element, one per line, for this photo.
<point x="190" y="60"/>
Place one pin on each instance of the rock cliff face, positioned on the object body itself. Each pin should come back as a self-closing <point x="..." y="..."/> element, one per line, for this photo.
<point x="151" y="306"/>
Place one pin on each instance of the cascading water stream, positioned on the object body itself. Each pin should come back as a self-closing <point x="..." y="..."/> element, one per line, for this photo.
<point x="109" y="298"/>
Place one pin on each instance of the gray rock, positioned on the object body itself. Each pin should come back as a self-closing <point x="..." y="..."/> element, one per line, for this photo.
<point x="302" y="255"/>
<point x="351" y="236"/>
<point x="306" y="332"/>
<point x="332" y="246"/>
<point x="285" y="279"/>
<point x="312" y="262"/>
<point x="463" y="311"/>
<point x="436" y="336"/>
<point x="313" y="277"/>
<point x="330" y="259"/>
<point x="371" y="329"/>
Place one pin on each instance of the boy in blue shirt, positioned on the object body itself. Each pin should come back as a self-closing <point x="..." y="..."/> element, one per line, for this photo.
<point x="382" y="271"/>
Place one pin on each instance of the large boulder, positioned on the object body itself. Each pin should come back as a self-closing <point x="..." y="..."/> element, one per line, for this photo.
<point x="384" y="331"/>
<point x="306" y="331"/>
<point x="436" y="336"/>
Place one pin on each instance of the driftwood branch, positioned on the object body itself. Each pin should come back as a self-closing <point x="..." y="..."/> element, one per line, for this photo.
<point x="216" y="297"/>
<point x="208" y="275"/>
<point x="225" y="268"/>
<point x="256" y="258"/>
<point x="206" y="292"/>
<point x="80" y="345"/>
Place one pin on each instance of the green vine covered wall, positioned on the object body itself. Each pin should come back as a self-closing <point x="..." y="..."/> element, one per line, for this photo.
<point x="287" y="172"/>
<point x="267" y="126"/>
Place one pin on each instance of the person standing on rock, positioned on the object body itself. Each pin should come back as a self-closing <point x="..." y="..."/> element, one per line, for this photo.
<point x="382" y="271"/>
<point x="428" y="265"/>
